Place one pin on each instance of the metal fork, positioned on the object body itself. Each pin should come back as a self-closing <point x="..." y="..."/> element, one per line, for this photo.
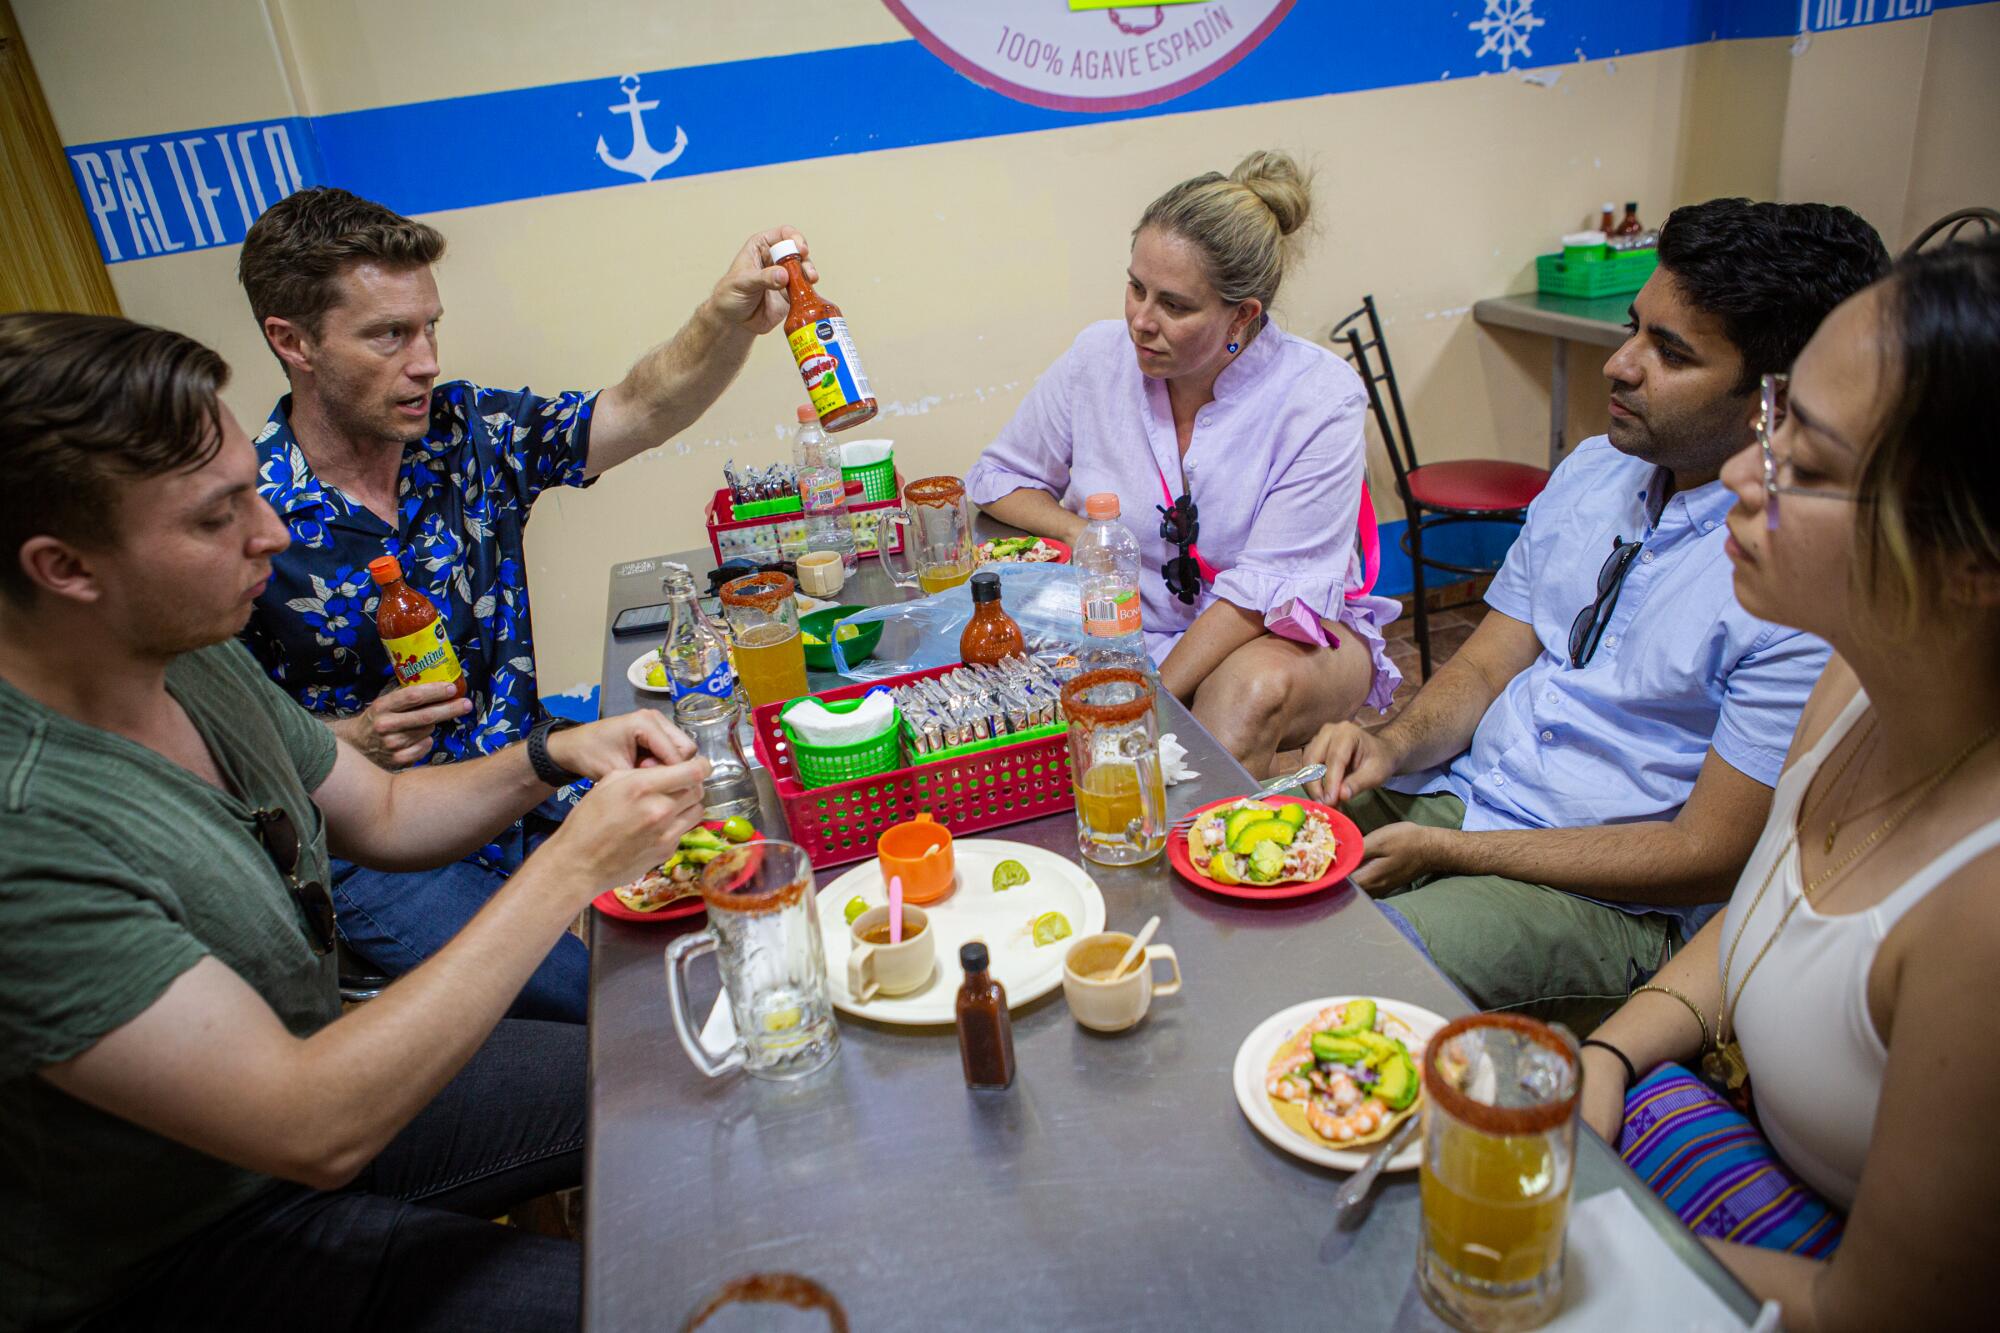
<point x="1310" y="773"/>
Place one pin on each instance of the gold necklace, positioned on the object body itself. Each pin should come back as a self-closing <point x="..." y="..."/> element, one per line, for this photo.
<point x="1834" y="823"/>
<point x="1724" y="1064"/>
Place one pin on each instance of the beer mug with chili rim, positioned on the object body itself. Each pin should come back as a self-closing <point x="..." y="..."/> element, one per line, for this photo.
<point x="937" y="535"/>
<point x="1114" y="765"/>
<point x="765" y="935"/>
<point x="1499" y="1157"/>
<point x="764" y="627"/>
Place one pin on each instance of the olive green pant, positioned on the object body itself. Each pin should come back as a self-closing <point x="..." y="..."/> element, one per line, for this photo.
<point x="1509" y="944"/>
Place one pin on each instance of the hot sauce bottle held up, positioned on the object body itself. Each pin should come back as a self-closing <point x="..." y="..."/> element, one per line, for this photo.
<point x="823" y="348"/>
<point x="412" y="631"/>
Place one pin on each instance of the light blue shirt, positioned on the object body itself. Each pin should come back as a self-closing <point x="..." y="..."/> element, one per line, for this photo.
<point x="1681" y="666"/>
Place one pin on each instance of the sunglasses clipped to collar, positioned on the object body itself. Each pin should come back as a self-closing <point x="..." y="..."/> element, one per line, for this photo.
<point x="281" y="843"/>
<point x="1180" y="523"/>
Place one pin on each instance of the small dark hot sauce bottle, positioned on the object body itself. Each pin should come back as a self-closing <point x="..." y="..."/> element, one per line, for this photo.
<point x="985" y="1033"/>
<point x="991" y="635"/>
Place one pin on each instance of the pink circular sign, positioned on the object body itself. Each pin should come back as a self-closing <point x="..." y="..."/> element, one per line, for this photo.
<point x="1089" y="59"/>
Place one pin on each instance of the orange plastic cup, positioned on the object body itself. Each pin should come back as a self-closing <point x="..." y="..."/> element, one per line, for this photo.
<point x="919" y="852"/>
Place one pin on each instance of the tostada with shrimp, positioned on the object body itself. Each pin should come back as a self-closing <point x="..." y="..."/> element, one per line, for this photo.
<point x="1262" y="843"/>
<point x="1348" y="1076"/>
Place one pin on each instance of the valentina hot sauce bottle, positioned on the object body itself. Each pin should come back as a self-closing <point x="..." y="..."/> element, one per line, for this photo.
<point x="823" y="348"/>
<point x="412" y="630"/>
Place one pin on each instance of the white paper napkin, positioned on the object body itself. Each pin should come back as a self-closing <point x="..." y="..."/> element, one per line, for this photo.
<point x="1620" y="1274"/>
<point x="718" y="1034"/>
<point x="1173" y="760"/>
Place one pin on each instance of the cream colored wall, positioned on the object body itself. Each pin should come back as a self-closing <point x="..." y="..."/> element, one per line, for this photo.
<point x="964" y="267"/>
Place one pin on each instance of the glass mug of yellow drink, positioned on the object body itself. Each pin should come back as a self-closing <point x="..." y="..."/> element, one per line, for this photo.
<point x="764" y="628"/>
<point x="936" y="520"/>
<point x="1114" y="766"/>
<point x="1499" y="1154"/>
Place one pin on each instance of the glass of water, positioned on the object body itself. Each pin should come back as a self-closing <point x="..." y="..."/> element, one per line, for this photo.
<point x="765" y="935"/>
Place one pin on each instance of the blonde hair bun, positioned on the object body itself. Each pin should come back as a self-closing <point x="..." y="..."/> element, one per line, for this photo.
<point x="1277" y="181"/>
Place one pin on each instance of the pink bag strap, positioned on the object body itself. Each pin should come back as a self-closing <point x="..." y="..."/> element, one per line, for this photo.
<point x="1371" y="547"/>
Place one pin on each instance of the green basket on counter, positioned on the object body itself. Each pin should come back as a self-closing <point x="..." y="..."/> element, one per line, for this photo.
<point x="824" y="765"/>
<point x="784" y="504"/>
<point x="1613" y="273"/>
<point x="878" y="480"/>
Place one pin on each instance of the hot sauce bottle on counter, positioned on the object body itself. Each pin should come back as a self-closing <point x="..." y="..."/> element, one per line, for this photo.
<point x="991" y="634"/>
<point x="823" y="348"/>
<point x="985" y="1033"/>
<point x="412" y="630"/>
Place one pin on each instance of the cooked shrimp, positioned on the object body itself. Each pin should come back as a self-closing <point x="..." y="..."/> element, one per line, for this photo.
<point x="1329" y="1123"/>
<point x="1287" y="1079"/>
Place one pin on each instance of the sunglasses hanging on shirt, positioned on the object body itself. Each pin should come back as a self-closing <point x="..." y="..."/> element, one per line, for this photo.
<point x="1180" y="523"/>
<point x="1588" y="627"/>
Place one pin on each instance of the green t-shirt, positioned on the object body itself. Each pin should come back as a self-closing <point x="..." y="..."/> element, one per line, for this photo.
<point x="119" y="870"/>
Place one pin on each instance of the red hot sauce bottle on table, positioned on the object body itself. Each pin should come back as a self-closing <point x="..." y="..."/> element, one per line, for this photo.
<point x="991" y="634"/>
<point x="985" y="1033"/>
<point x="412" y="630"/>
<point x="823" y="348"/>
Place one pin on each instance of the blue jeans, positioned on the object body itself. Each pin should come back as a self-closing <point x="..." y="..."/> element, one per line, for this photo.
<point x="396" y="921"/>
<point x="408" y="1245"/>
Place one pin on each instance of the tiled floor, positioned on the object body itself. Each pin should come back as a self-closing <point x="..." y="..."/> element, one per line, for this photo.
<point x="1449" y="629"/>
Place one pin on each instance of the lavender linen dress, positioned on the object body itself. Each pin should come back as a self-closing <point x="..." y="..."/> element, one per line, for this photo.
<point x="1275" y="464"/>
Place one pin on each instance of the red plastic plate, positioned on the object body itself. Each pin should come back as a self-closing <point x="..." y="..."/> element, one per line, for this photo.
<point x="1347" y="855"/>
<point x="607" y="901"/>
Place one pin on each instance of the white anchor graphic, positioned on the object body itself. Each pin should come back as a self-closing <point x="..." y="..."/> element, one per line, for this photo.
<point x="644" y="161"/>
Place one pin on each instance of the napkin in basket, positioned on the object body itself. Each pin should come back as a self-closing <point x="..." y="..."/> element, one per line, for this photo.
<point x="817" y="725"/>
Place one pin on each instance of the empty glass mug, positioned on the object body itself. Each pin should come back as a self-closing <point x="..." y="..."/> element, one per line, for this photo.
<point x="937" y="536"/>
<point x="765" y="935"/>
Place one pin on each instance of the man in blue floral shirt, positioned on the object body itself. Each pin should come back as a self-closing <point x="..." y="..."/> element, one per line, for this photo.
<point x="370" y="454"/>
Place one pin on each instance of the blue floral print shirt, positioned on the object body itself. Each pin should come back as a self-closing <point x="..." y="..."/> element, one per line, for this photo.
<point x="463" y="501"/>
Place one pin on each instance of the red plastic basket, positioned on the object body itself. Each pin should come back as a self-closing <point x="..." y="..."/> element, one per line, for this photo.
<point x="718" y="515"/>
<point x="986" y="790"/>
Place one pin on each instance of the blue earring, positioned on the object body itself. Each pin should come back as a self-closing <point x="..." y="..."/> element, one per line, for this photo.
<point x="1232" y="349"/>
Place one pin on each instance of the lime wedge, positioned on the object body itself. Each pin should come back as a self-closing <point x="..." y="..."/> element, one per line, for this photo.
<point x="855" y="907"/>
<point x="782" y="1020"/>
<point x="1050" y="927"/>
<point x="1007" y="874"/>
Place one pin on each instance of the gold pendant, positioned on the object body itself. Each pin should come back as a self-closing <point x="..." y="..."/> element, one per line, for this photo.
<point x="1724" y="1068"/>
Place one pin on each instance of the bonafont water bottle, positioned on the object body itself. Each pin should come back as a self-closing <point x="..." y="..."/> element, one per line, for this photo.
<point x="1107" y="565"/>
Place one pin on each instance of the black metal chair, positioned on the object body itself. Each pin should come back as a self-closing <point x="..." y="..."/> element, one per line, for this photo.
<point x="1951" y="224"/>
<point x="1435" y="495"/>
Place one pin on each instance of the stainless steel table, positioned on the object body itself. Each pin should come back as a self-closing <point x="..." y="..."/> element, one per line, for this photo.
<point x="1599" y="321"/>
<point x="1115" y="1186"/>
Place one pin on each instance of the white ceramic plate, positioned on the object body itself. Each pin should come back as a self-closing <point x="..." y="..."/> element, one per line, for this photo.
<point x="1253" y="1059"/>
<point x="636" y="673"/>
<point x="972" y="911"/>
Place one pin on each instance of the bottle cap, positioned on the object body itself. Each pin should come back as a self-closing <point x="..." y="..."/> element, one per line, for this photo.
<point x="385" y="569"/>
<point x="1609" y="206"/>
<point x="972" y="956"/>
<point x="1104" y="504"/>
<point x="985" y="587"/>
<point x="1632" y="204"/>
<point x="808" y="414"/>
<point x="784" y="250"/>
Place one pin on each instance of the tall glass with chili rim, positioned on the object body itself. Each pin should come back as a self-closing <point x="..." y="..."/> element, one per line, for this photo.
<point x="1114" y="766"/>
<point x="765" y="935"/>
<point x="1499" y="1157"/>
<point x="937" y="538"/>
<point x="764" y="626"/>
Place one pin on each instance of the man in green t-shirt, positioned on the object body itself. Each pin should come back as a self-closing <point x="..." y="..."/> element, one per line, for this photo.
<point x="195" y="1136"/>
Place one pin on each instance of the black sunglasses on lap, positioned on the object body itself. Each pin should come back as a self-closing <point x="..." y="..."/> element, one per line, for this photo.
<point x="1589" y="624"/>
<point x="281" y="843"/>
<point x="1180" y="523"/>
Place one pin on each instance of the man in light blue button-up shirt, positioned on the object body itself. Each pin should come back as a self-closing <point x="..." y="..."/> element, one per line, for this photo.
<point x="1571" y="795"/>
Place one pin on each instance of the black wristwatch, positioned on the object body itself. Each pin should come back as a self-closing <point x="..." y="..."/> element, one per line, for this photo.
<point x="547" y="769"/>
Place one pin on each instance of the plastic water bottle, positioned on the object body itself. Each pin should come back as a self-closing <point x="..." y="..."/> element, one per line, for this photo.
<point x="1107" y="566"/>
<point x="822" y="490"/>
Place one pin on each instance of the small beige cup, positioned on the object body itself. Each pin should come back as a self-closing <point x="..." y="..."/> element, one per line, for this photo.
<point x="1113" y="1006"/>
<point x="821" y="573"/>
<point x="890" y="969"/>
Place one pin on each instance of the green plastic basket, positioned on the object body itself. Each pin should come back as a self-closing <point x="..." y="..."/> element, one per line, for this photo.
<point x="1615" y="274"/>
<point x="824" y="765"/>
<point x="784" y="504"/>
<point x="990" y="743"/>
<point x="878" y="480"/>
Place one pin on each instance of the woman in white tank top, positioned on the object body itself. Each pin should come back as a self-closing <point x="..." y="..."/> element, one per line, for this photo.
<point x="1855" y="977"/>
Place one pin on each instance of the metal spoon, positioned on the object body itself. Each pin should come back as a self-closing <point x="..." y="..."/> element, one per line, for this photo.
<point x="1310" y="773"/>
<point x="1347" y="1208"/>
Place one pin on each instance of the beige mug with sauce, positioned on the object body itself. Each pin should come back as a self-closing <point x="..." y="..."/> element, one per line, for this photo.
<point x="821" y="573"/>
<point x="1106" y="1005"/>
<point x="879" y="968"/>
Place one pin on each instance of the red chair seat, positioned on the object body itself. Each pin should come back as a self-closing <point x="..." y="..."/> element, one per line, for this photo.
<point x="1477" y="483"/>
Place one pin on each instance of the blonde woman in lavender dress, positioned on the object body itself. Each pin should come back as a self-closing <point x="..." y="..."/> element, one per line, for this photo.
<point x="1198" y="393"/>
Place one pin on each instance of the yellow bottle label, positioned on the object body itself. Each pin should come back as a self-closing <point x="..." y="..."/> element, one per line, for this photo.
<point x="829" y="366"/>
<point x="425" y="656"/>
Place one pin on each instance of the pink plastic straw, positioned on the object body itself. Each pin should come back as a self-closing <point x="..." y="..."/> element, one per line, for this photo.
<point x="895" y="909"/>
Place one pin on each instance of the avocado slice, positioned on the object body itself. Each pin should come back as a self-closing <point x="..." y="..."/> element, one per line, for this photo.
<point x="1359" y="1016"/>
<point x="1336" y="1048"/>
<point x="1292" y="813"/>
<point x="701" y="837"/>
<point x="1267" y="861"/>
<point x="1398" y="1085"/>
<point x="1380" y="1048"/>
<point x="1238" y="820"/>
<point x="1265" y="830"/>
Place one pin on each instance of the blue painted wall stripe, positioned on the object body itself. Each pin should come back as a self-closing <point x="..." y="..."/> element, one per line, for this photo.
<point x="527" y="143"/>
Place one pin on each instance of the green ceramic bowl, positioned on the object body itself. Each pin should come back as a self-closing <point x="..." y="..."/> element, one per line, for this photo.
<point x="819" y="625"/>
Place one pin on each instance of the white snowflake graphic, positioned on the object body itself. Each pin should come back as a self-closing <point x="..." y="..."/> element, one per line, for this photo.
<point x="1505" y="28"/>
